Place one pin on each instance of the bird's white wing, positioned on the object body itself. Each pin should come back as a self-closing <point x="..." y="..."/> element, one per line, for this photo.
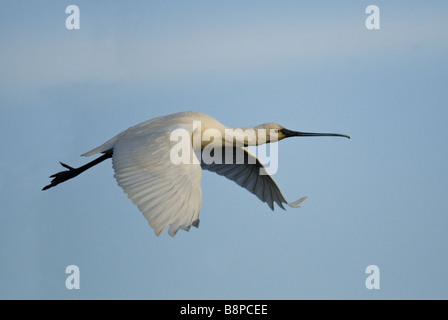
<point x="166" y="194"/>
<point x="247" y="175"/>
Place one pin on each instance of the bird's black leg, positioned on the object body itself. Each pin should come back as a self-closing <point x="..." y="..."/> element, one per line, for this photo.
<point x="73" y="172"/>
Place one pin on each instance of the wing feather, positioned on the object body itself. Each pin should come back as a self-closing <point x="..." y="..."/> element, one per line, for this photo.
<point x="168" y="195"/>
<point x="248" y="176"/>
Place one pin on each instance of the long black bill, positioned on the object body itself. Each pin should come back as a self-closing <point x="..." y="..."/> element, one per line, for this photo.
<point x="290" y="133"/>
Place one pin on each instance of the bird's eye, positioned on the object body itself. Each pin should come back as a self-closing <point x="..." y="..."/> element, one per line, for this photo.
<point x="276" y="130"/>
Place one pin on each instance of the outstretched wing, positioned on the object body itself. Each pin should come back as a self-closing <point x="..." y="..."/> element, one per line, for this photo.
<point x="167" y="194"/>
<point x="248" y="172"/>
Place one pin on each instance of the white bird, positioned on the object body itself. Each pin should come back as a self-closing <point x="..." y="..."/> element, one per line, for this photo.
<point x="169" y="194"/>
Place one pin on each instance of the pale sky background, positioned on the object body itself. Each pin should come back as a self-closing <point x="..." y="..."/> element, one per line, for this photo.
<point x="379" y="198"/>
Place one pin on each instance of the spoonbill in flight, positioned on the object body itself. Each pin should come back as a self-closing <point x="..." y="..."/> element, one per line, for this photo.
<point x="168" y="192"/>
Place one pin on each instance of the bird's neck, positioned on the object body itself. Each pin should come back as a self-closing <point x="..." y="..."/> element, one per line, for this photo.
<point x="244" y="137"/>
<point x="222" y="136"/>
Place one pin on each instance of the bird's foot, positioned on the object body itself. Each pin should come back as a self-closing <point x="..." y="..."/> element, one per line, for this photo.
<point x="62" y="176"/>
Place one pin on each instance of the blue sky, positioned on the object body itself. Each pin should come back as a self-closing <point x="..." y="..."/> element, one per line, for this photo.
<point x="377" y="199"/>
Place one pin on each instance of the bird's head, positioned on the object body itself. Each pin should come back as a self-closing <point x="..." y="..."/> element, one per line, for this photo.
<point x="276" y="132"/>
